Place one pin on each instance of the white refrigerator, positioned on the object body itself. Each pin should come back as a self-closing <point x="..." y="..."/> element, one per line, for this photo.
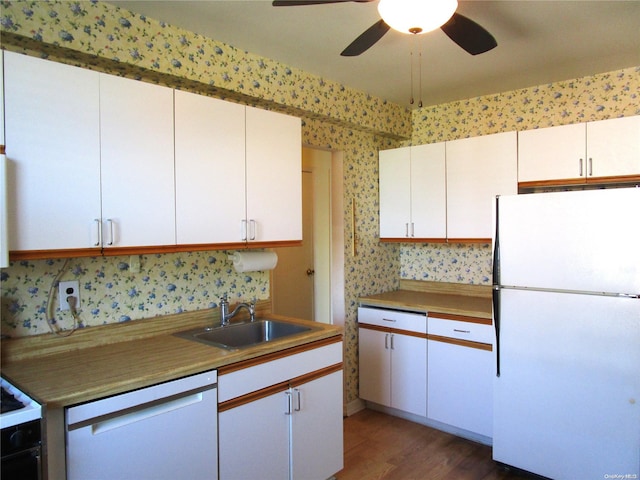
<point x="567" y="319"/>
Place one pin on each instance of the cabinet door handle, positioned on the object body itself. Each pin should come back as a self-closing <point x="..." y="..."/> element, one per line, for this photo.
<point x="581" y="167"/>
<point x="590" y="167"/>
<point x="392" y="335"/>
<point x="406" y="229"/>
<point x="110" y="224"/>
<point x="98" y="232"/>
<point x="412" y="230"/>
<point x="298" y="406"/>
<point x="252" y="229"/>
<point x="289" y="401"/>
<point x="386" y="341"/>
<point x="243" y="230"/>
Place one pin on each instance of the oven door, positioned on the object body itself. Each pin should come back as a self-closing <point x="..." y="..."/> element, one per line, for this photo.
<point x="24" y="465"/>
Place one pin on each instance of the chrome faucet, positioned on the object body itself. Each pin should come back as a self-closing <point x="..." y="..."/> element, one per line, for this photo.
<point x="225" y="316"/>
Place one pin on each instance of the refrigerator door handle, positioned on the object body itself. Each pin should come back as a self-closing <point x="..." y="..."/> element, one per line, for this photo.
<point x="496" y="285"/>
<point x="496" y="324"/>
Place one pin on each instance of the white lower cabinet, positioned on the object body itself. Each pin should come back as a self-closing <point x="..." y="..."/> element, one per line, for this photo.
<point x="282" y="419"/>
<point x="461" y="372"/>
<point x="393" y="359"/>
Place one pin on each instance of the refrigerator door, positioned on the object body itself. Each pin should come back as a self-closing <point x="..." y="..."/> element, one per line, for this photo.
<point x="582" y="240"/>
<point x="567" y="402"/>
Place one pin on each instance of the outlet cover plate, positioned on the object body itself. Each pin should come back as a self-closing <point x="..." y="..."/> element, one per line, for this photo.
<point x="66" y="289"/>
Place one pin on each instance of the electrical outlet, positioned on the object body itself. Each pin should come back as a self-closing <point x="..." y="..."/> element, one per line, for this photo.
<point x="69" y="289"/>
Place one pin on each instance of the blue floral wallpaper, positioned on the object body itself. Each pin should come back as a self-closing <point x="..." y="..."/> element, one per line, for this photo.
<point x="99" y="35"/>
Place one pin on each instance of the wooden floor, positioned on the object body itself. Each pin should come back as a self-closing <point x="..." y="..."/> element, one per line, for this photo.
<point x="379" y="446"/>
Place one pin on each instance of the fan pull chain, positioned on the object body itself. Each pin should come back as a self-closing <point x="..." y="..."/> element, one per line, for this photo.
<point x="411" y="73"/>
<point x="420" y="77"/>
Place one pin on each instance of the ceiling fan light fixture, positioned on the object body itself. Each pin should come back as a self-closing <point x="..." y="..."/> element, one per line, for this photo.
<point x="416" y="16"/>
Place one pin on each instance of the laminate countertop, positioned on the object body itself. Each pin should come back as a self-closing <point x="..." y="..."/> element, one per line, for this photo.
<point x="435" y="297"/>
<point x="97" y="362"/>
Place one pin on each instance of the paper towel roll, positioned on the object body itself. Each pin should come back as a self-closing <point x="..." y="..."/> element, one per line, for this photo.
<point x="254" y="261"/>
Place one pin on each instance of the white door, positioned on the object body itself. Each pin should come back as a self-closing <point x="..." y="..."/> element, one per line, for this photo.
<point x="395" y="192"/>
<point x="294" y="276"/>
<point x="613" y="147"/>
<point x="428" y="191"/>
<point x="137" y="165"/>
<point x="210" y="169"/>
<point x="274" y="179"/>
<point x="52" y="126"/>
<point x="374" y="363"/>
<point x="478" y="169"/>
<point x="244" y="453"/>
<point x="566" y="401"/>
<point x="584" y="240"/>
<point x="408" y="373"/>
<point x="552" y="153"/>
<point x="316" y="433"/>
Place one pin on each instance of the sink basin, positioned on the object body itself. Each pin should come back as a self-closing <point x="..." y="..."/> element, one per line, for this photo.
<point x="241" y="335"/>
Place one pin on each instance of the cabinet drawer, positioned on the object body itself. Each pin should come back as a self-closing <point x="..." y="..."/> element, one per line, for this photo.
<point x="412" y="322"/>
<point x="461" y="330"/>
<point x="263" y="375"/>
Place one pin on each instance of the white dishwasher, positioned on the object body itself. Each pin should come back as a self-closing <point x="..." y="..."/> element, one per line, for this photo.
<point x="166" y="431"/>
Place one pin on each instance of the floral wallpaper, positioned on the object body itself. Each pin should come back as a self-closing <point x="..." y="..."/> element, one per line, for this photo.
<point x="165" y="53"/>
<point x="98" y="35"/>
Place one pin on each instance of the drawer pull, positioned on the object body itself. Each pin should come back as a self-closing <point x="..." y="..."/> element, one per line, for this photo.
<point x="388" y="319"/>
<point x="461" y="331"/>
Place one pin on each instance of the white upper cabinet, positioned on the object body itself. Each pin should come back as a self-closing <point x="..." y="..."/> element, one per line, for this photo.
<point x="274" y="176"/>
<point x="613" y="147"/>
<point x="478" y="169"/>
<point x="412" y="192"/>
<point x="580" y="152"/>
<point x="395" y="192"/>
<point x="210" y="169"/>
<point x="53" y="149"/>
<point x="136" y="127"/>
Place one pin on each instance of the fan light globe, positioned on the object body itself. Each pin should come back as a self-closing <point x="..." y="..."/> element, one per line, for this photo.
<point x="416" y="16"/>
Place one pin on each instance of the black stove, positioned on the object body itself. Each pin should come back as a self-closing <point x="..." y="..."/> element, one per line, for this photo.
<point x="8" y="402"/>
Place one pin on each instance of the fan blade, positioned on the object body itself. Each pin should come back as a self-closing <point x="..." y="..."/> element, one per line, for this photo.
<point x="370" y="36"/>
<point x="469" y="35"/>
<point x="297" y="3"/>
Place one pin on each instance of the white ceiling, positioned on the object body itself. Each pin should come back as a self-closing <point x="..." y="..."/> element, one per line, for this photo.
<point x="538" y="42"/>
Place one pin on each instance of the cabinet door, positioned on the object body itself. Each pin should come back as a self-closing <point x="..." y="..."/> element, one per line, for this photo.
<point x="375" y="366"/>
<point x="137" y="167"/>
<point x="613" y="147"/>
<point x="409" y="373"/>
<point x="210" y="169"/>
<point x="52" y="126"/>
<point x="254" y="439"/>
<point x="552" y="153"/>
<point x="395" y="192"/>
<point x="460" y="387"/>
<point x="274" y="176"/>
<point x="428" y="191"/>
<point x="316" y="438"/>
<point x="478" y="169"/>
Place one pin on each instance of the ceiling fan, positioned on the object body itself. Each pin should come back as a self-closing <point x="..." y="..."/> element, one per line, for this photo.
<point x="465" y="32"/>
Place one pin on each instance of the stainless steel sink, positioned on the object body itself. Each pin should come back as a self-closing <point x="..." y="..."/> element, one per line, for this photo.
<point x="247" y="334"/>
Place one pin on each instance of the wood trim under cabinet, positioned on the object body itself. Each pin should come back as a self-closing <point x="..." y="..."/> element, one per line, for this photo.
<point x="392" y="330"/>
<point x="462" y="318"/>
<point x="463" y="343"/>
<point x="567" y="182"/>
<point x="435" y="240"/>
<point x="18" y="255"/>
<point x="279" y="387"/>
<point x="276" y="355"/>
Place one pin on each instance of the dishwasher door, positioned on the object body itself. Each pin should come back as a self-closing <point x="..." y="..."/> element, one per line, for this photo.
<point x="166" y="431"/>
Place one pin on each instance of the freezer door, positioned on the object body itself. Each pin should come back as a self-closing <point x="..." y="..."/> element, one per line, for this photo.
<point x="567" y="402"/>
<point x="584" y="240"/>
